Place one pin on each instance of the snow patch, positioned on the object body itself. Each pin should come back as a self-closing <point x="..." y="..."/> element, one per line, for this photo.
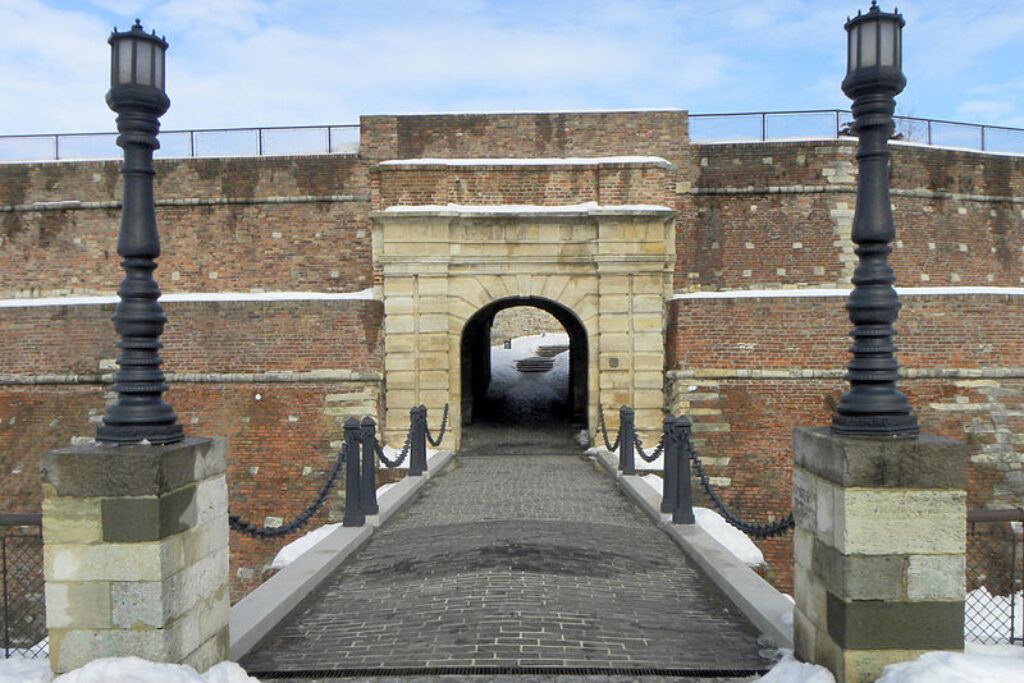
<point x="291" y="552"/>
<point x="845" y="291"/>
<point x="734" y="540"/>
<point x="954" y="667"/>
<point x="524" y="391"/>
<point x="191" y="297"/>
<point x="789" y="670"/>
<point x="543" y="161"/>
<point x="491" y="209"/>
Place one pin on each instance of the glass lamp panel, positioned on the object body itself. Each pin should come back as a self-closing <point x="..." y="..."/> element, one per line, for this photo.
<point x="869" y="44"/>
<point x="158" y="67"/>
<point x="851" y="48"/>
<point x="144" y="62"/>
<point x="124" y="60"/>
<point x="899" y="48"/>
<point x="887" y="42"/>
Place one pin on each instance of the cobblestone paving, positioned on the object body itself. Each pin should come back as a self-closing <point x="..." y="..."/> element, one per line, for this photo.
<point x="528" y="561"/>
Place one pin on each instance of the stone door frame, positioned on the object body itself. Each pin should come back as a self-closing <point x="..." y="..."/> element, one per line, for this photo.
<point x="609" y="266"/>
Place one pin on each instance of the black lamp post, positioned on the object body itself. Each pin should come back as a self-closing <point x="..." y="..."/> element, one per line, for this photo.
<point x="873" y="406"/>
<point x="137" y="95"/>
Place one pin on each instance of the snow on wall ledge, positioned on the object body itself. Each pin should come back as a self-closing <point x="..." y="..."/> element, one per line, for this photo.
<point x="845" y="291"/>
<point x="191" y="298"/>
<point x="589" y="208"/>
<point x="503" y="161"/>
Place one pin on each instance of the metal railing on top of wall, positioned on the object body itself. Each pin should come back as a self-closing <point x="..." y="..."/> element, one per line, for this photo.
<point x="836" y="123"/>
<point x="344" y="138"/>
<point x="205" y="142"/>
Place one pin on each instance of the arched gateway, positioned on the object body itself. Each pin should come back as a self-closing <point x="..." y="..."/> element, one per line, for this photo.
<point x="604" y="271"/>
<point x="476" y="343"/>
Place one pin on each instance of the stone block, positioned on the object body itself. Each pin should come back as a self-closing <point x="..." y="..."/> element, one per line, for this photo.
<point x="890" y="625"/>
<point x="810" y="594"/>
<point x="104" y="562"/>
<point x="914" y="522"/>
<point x="865" y="666"/>
<point x="211" y="501"/>
<point x="925" y="462"/>
<point x="149" y="518"/>
<point x="74" y="648"/>
<point x="72" y="520"/>
<point x="859" y="577"/>
<point x="78" y="605"/>
<point x="936" y="577"/>
<point x="93" y="471"/>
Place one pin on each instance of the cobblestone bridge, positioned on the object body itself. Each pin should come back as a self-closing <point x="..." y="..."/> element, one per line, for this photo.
<point x="515" y="564"/>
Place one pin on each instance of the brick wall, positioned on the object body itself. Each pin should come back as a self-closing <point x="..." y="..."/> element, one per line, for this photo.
<point x="760" y="215"/>
<point x="276" y="379"/>
<point x="266" y="224"/>
<point x="779" y="214"/>
<point x="749" y="370"/>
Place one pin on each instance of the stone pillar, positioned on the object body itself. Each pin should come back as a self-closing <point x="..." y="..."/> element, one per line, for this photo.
<point x="879" y="549"/>
<point x="135" y="543"/>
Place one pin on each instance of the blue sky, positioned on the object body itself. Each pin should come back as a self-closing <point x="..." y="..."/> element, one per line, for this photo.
<point x="293" y="62"/>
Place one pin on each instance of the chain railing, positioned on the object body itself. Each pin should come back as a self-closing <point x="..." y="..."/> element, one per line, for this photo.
<point x="24" y="605"/>
<point x="679" y="452"/>
<point x="995" y="576"/>
<point x="358" y="454"/>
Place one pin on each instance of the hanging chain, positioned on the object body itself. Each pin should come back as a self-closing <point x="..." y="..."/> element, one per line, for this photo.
<point x="604" y="430"/>
<point x="754" y="530"/>
<point x="397" y="462"/>
<point x="441" y="433"/>
<point x="238" y="524"/>
<point x="657" y="449"/>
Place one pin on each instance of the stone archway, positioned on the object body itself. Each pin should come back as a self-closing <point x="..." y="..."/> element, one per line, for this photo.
<point x="475" y="356"/>
<point x="438" y="267"/>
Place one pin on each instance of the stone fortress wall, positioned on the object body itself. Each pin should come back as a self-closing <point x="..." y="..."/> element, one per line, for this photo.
<point x="755" y="340"/>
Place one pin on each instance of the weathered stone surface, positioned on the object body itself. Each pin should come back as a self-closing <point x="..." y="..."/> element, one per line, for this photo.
<point x="860" y="577"/>
<point x="94" y="470"/>
<point x="927" y="462"/>
<point x="77" y="605"/>
<point x="936" y="577"/>
<point x="890" y="625"/>
<point x="900" y="521"/>
<point x="151" y="518"/>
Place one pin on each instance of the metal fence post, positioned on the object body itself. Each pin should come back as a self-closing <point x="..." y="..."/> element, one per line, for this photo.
<point x="683" y="512"/>
<point x="368" y="480"/>
<point x="670" y="449"/>
<point x="417" y="441"/>
<point x="627" y="440"/>
<point x="353" y="514"/>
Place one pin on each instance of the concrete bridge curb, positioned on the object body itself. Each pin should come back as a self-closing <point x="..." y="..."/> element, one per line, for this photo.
<point x="256" y="614"/>
<point x="759" y="602"/>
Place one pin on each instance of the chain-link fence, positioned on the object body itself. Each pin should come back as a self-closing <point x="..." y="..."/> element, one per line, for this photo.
<point x="995" y="574"/>
<point x="23" y="619"/>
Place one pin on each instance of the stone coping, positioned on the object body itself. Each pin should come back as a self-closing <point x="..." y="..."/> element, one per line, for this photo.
<point x="922" y="462"/>
<point x="765" y="607"/>
<point x="255" y="615"/>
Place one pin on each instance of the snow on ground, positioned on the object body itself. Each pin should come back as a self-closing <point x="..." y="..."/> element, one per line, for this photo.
<point x="110" y="669"/>
<point x="734" y="540"/>
<point x="291" y="552"/>
<point x="525" y="392"/>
